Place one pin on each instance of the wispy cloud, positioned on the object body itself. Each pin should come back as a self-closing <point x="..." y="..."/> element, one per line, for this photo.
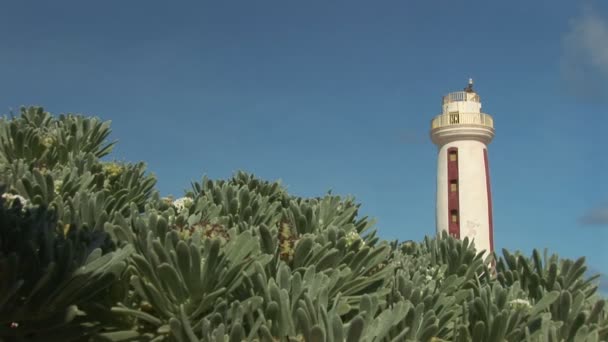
<point x="412" y="137"/>
<point x="584" y="60"/>
<point x="596" y="217"/>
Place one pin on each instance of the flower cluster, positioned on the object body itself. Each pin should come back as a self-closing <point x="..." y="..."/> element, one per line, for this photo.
<point x="352" y="237"/>
<point x="287" y="241"/>
<point x="10" y="199"/>
<point x="57" y="185"/>
<point x="520" y="304"/>
<point x="48" y="141"/>
<point x="207" y="229"/>
<point x="182" y="204"/>
<point x="434" y="273"/>
<point x="216" y="231"/>
<point x="113" y="169"/>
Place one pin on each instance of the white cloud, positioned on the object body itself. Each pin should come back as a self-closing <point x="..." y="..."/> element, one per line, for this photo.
<point x="596" y="216"/>
<point x="584" y="61"/>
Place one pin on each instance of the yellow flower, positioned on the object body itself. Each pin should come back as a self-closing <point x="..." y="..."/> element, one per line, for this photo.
<point x="58" y="185"/>
<point x="66" y="228"/>
<point x="48" y="141"/>
<point x="113" y="169"/>
<point x="352" y="237"/>
<point x="520" y="304"/>
<point x="286" y="250"/>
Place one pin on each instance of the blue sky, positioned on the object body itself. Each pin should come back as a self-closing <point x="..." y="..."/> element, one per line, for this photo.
<point x="338" y="95"/>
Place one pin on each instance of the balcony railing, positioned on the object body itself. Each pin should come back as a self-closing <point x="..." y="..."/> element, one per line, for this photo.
<point x="460" y="96"/>
<point x="453" y="119"/>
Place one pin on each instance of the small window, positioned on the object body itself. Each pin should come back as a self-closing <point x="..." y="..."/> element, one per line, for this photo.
<point x="453" y="156"/>
<point x="454" y="215"/>
<point x="453" y="185"/>
<point x="454" y="118"/>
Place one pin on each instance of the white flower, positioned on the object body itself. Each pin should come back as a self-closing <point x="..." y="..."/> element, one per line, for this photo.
<point x="520" y="303"/>
<point x="352" y="237"/>
<point x="10" y="199"/>
<point x="429" y="278"/>
<point x="182" y="204"/>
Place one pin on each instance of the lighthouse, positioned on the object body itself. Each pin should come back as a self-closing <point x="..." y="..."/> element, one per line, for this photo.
<point x="462" y="133"/>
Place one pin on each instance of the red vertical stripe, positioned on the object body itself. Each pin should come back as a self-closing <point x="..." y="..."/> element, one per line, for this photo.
<point x="489" y="194"/>
<point x="453" y="196"/>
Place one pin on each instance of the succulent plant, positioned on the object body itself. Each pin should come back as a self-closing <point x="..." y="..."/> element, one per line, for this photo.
<point x="48" y="278"/>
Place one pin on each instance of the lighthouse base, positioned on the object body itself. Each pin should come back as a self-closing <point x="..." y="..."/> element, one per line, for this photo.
<point x="464" y="206"/>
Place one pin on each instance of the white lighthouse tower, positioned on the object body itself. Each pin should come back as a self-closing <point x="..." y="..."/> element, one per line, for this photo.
<point x="464" y="202"/>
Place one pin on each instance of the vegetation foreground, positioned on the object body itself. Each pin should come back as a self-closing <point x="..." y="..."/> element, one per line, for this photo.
<point x="89" y="251"/>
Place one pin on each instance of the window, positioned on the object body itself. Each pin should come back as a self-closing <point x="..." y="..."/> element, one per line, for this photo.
<point x="453" y="185"/>
<point x="454" y="215"/>
<point x="454" y="118"/>
<point x="453" y="156"/>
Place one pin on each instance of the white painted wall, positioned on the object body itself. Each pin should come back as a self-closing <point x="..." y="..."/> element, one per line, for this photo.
<point x="441" y="205"/>
<point x="472" y="191"/>
<point x="462" y="107"/>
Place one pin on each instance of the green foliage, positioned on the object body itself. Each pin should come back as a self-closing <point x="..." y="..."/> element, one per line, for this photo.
<point x="50" y="278"/>
<point x="90" y="251"/>
<point x="43" y="141"/>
